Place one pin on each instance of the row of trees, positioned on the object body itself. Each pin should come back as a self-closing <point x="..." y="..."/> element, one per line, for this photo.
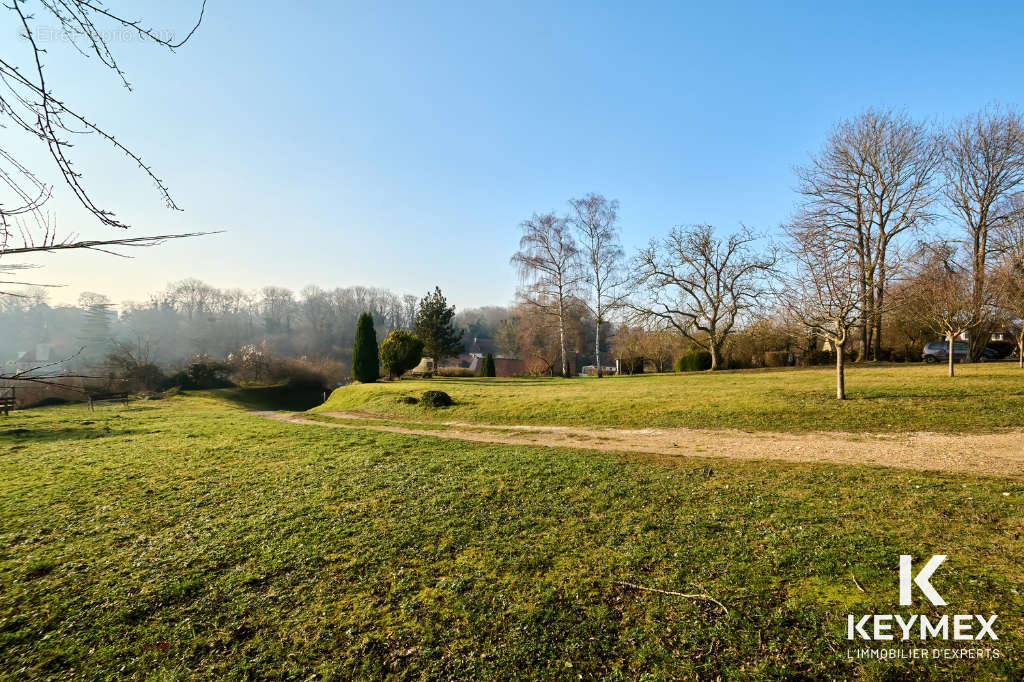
<point x="869" y="198"/>
<point x="433" y="335"/>
<point x="895" y="215"/>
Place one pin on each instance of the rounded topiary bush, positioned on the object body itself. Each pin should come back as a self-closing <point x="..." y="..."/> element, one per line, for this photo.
<point x="436" y="399"/>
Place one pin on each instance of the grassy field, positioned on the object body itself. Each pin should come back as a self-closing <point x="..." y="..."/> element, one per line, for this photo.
<point x="187" y="538"/>
<point x="882" y="398"/>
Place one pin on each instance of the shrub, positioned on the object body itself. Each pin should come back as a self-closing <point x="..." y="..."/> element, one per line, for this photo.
<point x="400" y="352"/>
<point x="407" y="400"/>
<point x="365" y="359"/>
<point x="436" y="399"/>
<point x="147" y="377"/>
<point x="200" y="375"/>
<point x="126" y="373"/>
<point x="776" y="358"/>
<point x="1004" y="348"/>
<point x="487" y="368"/>
<point x="250" y="363"/>
<point x="305" y="373"/>
<point x="695" y="361"/>
<point x="819" y="357"/>
<point x="455" y="372"/>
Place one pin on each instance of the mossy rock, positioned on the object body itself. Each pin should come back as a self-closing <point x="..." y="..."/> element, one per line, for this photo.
<point x="436" y="399"/>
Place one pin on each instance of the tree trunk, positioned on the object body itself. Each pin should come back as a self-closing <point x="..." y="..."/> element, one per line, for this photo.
<point x="561" y="343"/>
<point x="975" y="342"/>
<point x="597" y="346"/>
<point x="877" y="332"/>
<point x="862" y="355"/>
<point x="1020" y="350"/>
<point x="561" y="336"/>
<point x="840" y="371"/>
<point x="865" y="307"/>
<point x="715" y="352"/>
<point x="951" y="346"/>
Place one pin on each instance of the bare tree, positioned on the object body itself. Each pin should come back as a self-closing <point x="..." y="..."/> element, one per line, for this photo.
<point x="548" y="261"/>
<point x="595" y="219"/>
<point x="701" y="285"/>
<point x="983" y="164"/>
<point x="874" y="180"/>
<point x="907" y="326"/>
<point x="1010" y="274"/>
<point x="822" y="292"/>
<point x="942" y="293"/>
<point x="29" y="103"/>
<point x="1009" y="294"/>
<point x="536" y="339"/>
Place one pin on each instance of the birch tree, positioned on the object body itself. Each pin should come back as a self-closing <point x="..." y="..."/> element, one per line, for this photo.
<point x="700" y="285"/>
<point x="550" y="273"/>
<point x="595" y="220"/>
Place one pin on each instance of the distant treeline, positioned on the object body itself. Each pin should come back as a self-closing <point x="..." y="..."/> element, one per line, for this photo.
<point x="190" y="319"/>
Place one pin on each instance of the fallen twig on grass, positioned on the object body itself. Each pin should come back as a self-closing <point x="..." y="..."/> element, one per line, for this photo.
<point x="705" y="597"/>
<point x="855" y="582"/>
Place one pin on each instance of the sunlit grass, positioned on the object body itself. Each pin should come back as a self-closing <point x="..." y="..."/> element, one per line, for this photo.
<point x="188" y="539"/>
<point x="881" y="398"/>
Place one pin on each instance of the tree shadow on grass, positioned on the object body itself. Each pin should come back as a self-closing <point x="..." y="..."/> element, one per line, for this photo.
<point x="24" y="436"/>
<point x="899" y="395"/>
<point x="282" y="397"/>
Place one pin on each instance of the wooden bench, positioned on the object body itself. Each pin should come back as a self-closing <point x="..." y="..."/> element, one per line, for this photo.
<point x="108" y="397"/>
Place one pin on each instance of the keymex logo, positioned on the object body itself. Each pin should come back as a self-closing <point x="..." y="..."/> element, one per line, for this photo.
<point x="887" y="627"/>
<point x="921" y="579"/>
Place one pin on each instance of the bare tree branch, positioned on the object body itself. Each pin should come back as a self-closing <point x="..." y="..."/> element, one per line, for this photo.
<point x="701" y="285"/>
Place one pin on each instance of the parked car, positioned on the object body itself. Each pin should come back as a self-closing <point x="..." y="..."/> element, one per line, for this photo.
<point x="938" y="351"/>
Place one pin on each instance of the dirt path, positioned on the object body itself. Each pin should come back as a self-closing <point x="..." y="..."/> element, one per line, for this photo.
<point x="1000" y="453"/>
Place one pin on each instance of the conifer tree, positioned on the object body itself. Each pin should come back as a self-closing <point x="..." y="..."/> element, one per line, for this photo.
<point x="434" y="327"/>
<point x="487" y="368"/>
<point x="365" y="358"/>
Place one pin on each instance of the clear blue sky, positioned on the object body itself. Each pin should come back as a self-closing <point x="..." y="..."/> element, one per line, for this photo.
<point x="400" y="145"/>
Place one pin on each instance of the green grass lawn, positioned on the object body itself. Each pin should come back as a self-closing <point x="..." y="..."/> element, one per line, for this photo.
<point x="188" y="539"/>
<point x="882" y="398"/>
